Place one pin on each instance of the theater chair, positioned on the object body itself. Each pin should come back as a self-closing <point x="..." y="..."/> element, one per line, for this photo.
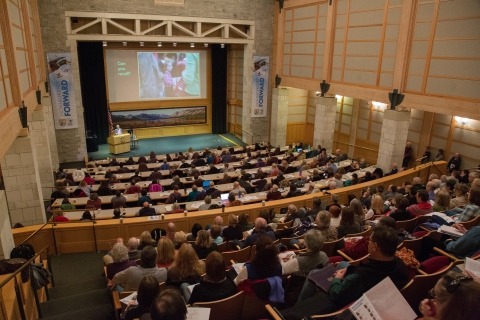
<point x="454" y="259"/>
<point x="239" y="256"/>
<point x="120" y="307"/>
<point x="407" y="225"/>
<point x="366" y="233"/>
<point x="286" y="225"/>
<point x="231" y="306"/>
<point x="275" y="314"/>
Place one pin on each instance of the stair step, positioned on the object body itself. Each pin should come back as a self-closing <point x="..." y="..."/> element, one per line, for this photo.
<point x="77" y="288"/>
<point x="100" y="312"/>
<point x="76" y="302"/>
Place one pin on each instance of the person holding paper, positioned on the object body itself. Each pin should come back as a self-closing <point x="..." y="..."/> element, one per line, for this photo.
<point x="118" y="130"/>
<point x="351" y="282"/>
<point x="455" y="296"/>
<point x="148" y="289"/>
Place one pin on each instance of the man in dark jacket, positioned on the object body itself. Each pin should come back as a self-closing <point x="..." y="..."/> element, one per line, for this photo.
<point x="454" y="163"/>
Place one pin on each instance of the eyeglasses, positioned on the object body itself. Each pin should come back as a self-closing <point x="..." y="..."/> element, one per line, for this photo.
<point x="452" y="286"/>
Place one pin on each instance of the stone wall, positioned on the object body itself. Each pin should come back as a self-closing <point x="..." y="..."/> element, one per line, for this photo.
<point x="52" y="21"/>
<point x="6" y="238"/>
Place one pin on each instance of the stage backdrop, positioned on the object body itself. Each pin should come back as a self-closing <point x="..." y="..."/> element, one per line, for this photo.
<point x="62" y="90"/>
<point x="159" y="117"/>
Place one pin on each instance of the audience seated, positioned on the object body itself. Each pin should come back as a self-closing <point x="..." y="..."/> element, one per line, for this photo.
<point x="171" y="231"/>
<point x="146" y="210"/>
<point x="258" y="232"/>
<point x="400" y="212"/>
<point x="274" y="194"/>
<point x="118" y="200"/>
<point x="244" y="223"/>
<point x="165" y="253"/>
<point x="58" y="216"/>
<point x="129" y="279"/>
<point x="422" y="207"/>
<point x="329" y="232"/>
<point x="264" y="264"/>
<point x="234" y="230"/>
<point x="347" y="223"/>
<point x="121" y="260"/>
<point x="146" y="240"/>
<point x="186" y="267"/>
<point x="336" y="216"/>
<point x="204" y="244"/>
<point x="169" y="304"/>
<point x="349" y="284"/>
<point x="377" y="207"/>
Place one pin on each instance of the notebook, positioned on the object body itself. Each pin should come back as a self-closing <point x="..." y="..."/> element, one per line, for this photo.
<point x="323" y="278"/>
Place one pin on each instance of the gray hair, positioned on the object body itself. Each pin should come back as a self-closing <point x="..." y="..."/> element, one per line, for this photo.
<point x="133" y="243"/>
<point x="119" y="252"/>
<point x="323" y="219"/>
<point x="314" y="240"/>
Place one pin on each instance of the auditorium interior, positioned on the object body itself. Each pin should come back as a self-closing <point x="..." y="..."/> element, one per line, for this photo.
<point x="361" y="79"/>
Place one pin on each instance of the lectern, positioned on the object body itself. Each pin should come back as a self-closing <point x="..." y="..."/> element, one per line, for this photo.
<point x="119" y="143"/>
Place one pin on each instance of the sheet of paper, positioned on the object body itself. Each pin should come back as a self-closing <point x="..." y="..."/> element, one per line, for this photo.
<point x="153" y="218"/>
<point x="195" y="313"/>
<point x="362" y="309"/>
<point x="473" y="266"/>
<point x="450" y="231"/>
<point x="197" y="204"/>
<point x="129" y="298"/>
<point x="190" y="287"/>
<point x="238" y="267"/>
<point x="388" y="302"/>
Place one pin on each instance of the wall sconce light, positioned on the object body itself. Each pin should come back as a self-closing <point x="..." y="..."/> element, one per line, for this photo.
<point x="222" y="45"/>
<point x="338" y="96"/>
<point x="174" y="44"/>
<point x="379" y="105"/>
<point x="192" y="45"/>
<point x="159" y="43"/>
<point x="318" y="93"/>
<point x="206" y="45"/>
<point x="124" y="43"/>
<point x="461" y="120"/>
<point x="104" y="43"/>
<point x="142" y="43"/>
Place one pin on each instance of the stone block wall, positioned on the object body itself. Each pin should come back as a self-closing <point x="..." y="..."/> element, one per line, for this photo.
<point x="393" y="138"/>
<point x="278" y="129"/>
<point x="51" y="132"/>
<point x="22" y="183"/>
<point x="325" y="122"/>
<point x="71" y="143"/>
<point x="6" y="238"/>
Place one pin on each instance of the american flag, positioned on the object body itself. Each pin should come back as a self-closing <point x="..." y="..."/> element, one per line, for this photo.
<point x="110" y="122"/>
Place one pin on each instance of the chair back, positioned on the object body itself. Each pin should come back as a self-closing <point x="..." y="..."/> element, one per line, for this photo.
<point x="407" y="225"/>
<point x="286" y="241"/>
<point x="239" y="256"/>
<point x="253" y="252"/>
<point x="222" y="247"/>
<point x="281" y="226"/>
<point x="417" y="289"/>
<point x="253" y="308"/>
<point x="330" y="248"/>
<point x="413" y="245"/>
<point x="471" y="223"/>
<point x="122" y="295"/>
<point x="366" y="233"/>
<point x="231" y="306"/>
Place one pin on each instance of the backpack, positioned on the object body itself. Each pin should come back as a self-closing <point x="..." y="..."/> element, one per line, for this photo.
<point x="24" y="251"/>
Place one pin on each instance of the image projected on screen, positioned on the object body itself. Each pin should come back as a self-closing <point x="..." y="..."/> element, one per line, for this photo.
<point x="159" y="117"/>
<point x="168" y="75"/>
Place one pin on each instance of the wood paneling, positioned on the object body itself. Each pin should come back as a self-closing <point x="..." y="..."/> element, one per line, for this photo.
<point x="369" y="155"/>
<point x="145" y="133"/>
<point x="296" y="132"/>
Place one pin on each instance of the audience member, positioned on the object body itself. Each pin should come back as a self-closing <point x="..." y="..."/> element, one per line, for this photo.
<point x="322" y="221"/>
<point x="244" y="223"/>
<point x="335" y="213"/>
<point x="259" y="231"/>
<point x="165" y="253"/>
<point x="186" y="267"/>
<point x="146" y="210"/>
<point x="146" y="240"/>
<point x="215" y="233"/>
<point x="400" y="212"/>
<point x="169" y="304"/>
<point x="234" y="230"/>
<point x="274" y="194"/>
<point x="422" y="207"/>
<point x="454" y="163"/>
<point x="442" y="201"/>
<point x="192" y="236"/>
<point x="204" y="245"/>
<point x="120" y="260"/>
<point x="348" y="224"/>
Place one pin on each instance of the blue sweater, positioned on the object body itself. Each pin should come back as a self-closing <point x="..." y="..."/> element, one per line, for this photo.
<point x="466" y="245"/>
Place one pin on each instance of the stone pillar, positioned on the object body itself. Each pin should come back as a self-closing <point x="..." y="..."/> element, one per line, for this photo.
<point x="22" y="182"/>
<point x="39" y="136"/>
<point x="6" y="237"/>
<point x="325" y="110"/>
<point x="247" y="135"/>
<point x="278" y="128"/>
<point x="393" y="138"/>
<point x="50" y="127"/>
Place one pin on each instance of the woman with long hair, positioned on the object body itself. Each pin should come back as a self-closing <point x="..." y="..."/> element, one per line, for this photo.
<point x="348" y="224"/>
<point x="165" y="253"/>
<point x="204" y="244"/>
<point x="358" y="211"/>
<point x="146" y="240"/>
<point x="214" y="285"/>
<point x="244" y="223"/>
<point x="377" y="207"/>
<point x="94" y="201"/>
<point x="186" y="267"/>
<point x="455" y="296"/>
<point x="265" y="263"/>
<point x="442" y="201"/>
<point x="148" y="290"/>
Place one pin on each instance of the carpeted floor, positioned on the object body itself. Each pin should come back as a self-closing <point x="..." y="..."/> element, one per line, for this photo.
<point x="173" y="144"/>
<point x="77" y="267"/>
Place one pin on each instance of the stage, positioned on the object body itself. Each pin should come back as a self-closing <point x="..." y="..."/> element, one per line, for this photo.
<point x="172" y="145"/>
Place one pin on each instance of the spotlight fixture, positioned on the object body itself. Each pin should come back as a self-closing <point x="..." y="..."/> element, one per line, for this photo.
<point x="159" y="43"/>
<point x="174" y="44"/>
<point x="206" y="45"/>
<point x="104" y="43"/>
<point x="142" y="43"/>
<point x="192" y="45"/>
<point x="124" y="43"/>
<point x="222" y="45"/>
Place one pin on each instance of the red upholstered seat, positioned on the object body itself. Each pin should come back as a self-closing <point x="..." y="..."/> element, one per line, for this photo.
<point x="435" y="264"/>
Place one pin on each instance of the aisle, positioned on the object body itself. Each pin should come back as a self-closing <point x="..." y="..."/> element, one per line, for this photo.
<point x="173" y="144"/>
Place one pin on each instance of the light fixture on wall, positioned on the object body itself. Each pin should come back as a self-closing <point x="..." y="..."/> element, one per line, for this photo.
<point x="278" y="80"/>
<point x="222" y="45"/>
<point x="206" y="45"/>
<point x="142" y="43"/>
<point x="318" y="93"/>
<point x="159" y="43"/>
<point x="379" y="105"/>
<point x="192" y="45"/>
<point x="461" y="120"/>
<point x="174" y="44"/>
<point x="104" y="43"/>
<point x="124" y="43"/>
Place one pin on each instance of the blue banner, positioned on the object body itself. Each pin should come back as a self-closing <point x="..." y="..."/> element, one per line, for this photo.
<point x="260" y="86"/>
<point x="62" y="90"/>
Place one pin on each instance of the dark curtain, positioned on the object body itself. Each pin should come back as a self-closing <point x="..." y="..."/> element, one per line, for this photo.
<point x="94" y="92"/>
<point x="219" y="89"/>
